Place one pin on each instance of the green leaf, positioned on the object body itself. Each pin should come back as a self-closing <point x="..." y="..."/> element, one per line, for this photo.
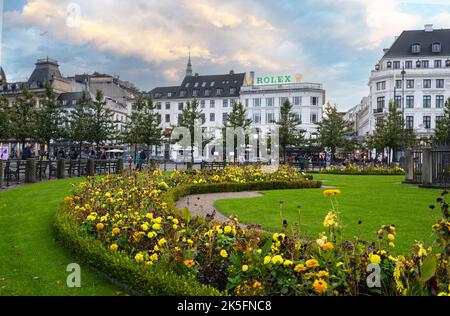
<point x="428" y="269"/>
<point x="186" y="215"/>
<point x="266" y="249"/>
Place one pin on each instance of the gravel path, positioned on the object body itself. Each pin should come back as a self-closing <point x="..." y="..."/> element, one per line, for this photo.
<point x="203" y="204"/>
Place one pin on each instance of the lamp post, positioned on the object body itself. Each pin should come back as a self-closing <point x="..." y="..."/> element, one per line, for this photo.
<point x="403" y="108"/>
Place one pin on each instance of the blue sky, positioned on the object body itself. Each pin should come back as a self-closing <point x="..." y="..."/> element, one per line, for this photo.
<point x="334" y="42"/>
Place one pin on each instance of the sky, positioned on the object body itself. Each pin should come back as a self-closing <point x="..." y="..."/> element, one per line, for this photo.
<point x="333" y="42"/>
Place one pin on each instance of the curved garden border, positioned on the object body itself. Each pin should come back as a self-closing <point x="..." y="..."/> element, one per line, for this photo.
<point x="155" y="280"/>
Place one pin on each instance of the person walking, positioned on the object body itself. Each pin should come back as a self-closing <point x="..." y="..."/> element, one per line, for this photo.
<point x="138" y="161"/>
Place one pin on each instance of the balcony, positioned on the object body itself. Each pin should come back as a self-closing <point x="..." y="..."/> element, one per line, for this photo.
<point x="378" y="111"/>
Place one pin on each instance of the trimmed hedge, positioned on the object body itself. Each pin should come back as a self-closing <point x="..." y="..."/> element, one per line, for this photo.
<point x="158" y="280"/>
<point x="362" y="172"/>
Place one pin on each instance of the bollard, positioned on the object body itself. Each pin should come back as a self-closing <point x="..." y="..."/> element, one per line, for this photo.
<point x="61" y="169"/>
<point x="90" y="167"/>
<point x="30" y="171"/>
<point x="119" y="168"/>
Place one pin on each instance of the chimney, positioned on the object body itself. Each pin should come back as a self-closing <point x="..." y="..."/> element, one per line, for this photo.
<point x="428" y="28"/>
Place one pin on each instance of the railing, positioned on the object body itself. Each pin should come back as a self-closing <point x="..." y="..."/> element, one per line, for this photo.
<point x="429" y="167"/>
<point x="440" y="168"/>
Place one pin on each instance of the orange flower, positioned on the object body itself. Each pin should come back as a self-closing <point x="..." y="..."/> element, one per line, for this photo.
<point x="100" y="226"/>
<point x="189" y="263"/>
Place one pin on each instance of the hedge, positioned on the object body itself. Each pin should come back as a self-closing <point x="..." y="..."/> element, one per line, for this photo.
<point x="158" y="280"/>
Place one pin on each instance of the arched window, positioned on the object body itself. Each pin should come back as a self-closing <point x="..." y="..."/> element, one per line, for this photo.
<point x="436" y="47"/>
<point x="416" y="48"/>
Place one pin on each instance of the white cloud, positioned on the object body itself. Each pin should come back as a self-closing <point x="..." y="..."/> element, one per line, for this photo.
<point x="172" y="74"/>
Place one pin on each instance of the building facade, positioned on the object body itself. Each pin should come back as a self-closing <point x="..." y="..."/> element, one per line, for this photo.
<point x="216" y="94"/>
<point x="360" y="117"/>
<point x="415" y="74"/>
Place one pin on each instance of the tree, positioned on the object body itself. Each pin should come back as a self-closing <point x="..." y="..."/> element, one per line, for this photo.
<point x="289" y="133"/>
<point x="333" y="130"/>
<point x="79" y="121"/>
<point x="101" y="124"/>
<point x="5" y="119"/>
<point x="23" y="115"/>
<point x="377" y="140"/>
<point x="394" y="134"/>
<point x="149" y="129"/>
<point x="131" y="134"/>
<point x="190" y="118"/>
<point x="50" y="119"/>
<point x="442" y="132"/>
<point x="237" y="119"/>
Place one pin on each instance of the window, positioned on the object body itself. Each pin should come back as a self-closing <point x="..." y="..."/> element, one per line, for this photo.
<point x="298" y="117"/>
<point x="315" y="100"/>
<point x="224" y="118"/>
<point x="396" y="65"/>
<point x="167" y="105"/>
<point x="207" y="93"/>
<point x="167" y="118"/>
<point x="64" y="102"/>
<point x="212" y="84"/>
<point x="427" y="83"/>
<point x="169" y="95"/>
<point x="233" y="91"/>
<point x="218" y="91"/>
<point x="195" y="93"/>
<point x="436" y="48"/>
<point x="180" y="106"/>
<point x="257" y="102"/>
<point x="212" y="117"/>
<point x="212" y="104"/>
<point x="180" y="118"/>
<point x="380" y="103"/>
<point x="398" y="101"/>
<point x="246" y="103"/>
<point x="158" y="105"/>
<point x="203" y="84"/>
<point x="427" y="101"/>
<point x="410" y="122"/>
<point x="257" y="118"/>
<point x="398" y="84"/>
<point x="196" y="85"/>
<point x="297" y="100"/>
<point x="270" y="102"/>
<point x="439" y="83"/>
<point x="187" y="85"/>
<point x="203" y="104"/>
<point x="74" y="102"/>
<point x="416" y="48"/>
<point x="439" y="101"/>
<point x="225" y="103"/>
<point x="270" y="117"/>
<point x="425" y="64"/>
<point x="438" y="63"/>
<point x="389" y="64"/>
<point x="427" y="122"/>
<point x="313" y="118"/>
<point x="203" y="118"/>
<point x="381" y="85"/>
<point x="409" y="84"/>
<point x="410" y="101"/>
<point x="408" y="64"/>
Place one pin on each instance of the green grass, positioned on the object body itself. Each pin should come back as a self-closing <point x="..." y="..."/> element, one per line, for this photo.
<point x="375" y="200"/>
<point x="32" y="263"/>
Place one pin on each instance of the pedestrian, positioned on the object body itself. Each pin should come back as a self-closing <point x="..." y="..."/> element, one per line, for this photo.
<point x="138" y="161"/>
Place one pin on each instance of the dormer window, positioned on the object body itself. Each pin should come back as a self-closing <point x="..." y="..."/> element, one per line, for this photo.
<point x="436" y="48"/>
<point x="195" y="93"/>
<point x="416" y="48"/>
<point x="232" y="91"/>
<point x="389" y="64"/>
<point x="182" y="93"/>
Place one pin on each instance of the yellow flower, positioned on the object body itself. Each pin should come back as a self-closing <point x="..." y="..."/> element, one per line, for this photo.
<point x="139" y="258"/>
<point x="107" y="195"/>
<point x="190" y="241"/>
<point x="320" y="286"/>
<point x="375" y="259"/>
<point x="312" y="263"/>
<point x="339" y="264"/>
<point x="257" y="284"/>
<point x="156" y="227"/>
<point x="267" y="260"/>
<point x="116" y="231"/>
<point x="162" y="242"/>
<point x="189" y="263"/>
<point x="330" y="220"/>
<point x="224" y="253"/>
<point x="154" y="257"/>
<point x="144" y="227"/>
<point x="329" y="193"/>
<point x="175" y="221"/>
<point x="392" y="245"/>
<point x="244" y="268"/>
<point x="152" y="235"/>
<point x="300" y="268"/>
<point x="100" y="226"/>
<point x="175" y="227"/>
<point x="228" y="229"/>
<point x="391" y="237"/>
<point x="114" y="247"/>
<point x="323" y="274"/>
<point x="277" y="259"/>
<point x="288" y="263"/>
<point x="328" y="246"/>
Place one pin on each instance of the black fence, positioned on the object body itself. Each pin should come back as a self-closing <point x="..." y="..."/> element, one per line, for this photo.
<point x="429" y="167"/>
<point x="17" y="172"/>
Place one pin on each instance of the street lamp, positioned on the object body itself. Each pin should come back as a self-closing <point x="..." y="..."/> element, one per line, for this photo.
<point x="403" y="108"/>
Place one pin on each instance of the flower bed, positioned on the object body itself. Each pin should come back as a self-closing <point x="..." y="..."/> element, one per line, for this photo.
<point x="128" y="227"/>
<point x="355" y="170"/>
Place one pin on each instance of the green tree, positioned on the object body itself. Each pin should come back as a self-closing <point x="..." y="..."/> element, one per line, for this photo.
<point x="333" y="130"/>
<point x="442" y="132"/>
<point x="101" y="123"/>
<point x="23" y="116"/>
<point x="377" y="140"/>
<point x="149" y="124"/>
<point x="190" y="118"/>
<point x="80" y="121"/>
<point x="5" y="119"/>
<point x="50" y="119"/>
<point x="131" y="134"/>
<point x="237" y="119"/>
<point x="289" y="133"/>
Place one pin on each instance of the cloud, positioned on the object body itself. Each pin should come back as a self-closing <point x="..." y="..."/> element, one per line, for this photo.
<point x="172" y="74"/>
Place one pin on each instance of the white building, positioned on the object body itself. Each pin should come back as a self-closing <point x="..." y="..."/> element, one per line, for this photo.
<point x="360" y="117"/>
<point x="261" y="96"/>
<point x="414" y="73"/>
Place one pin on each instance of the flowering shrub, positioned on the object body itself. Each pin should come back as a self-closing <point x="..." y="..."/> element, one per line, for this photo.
<point x="132" y="217"/>
<point x="352" y="169"/>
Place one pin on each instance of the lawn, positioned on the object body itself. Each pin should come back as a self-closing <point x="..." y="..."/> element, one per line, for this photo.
<point x="32" y="263"/>
<point x="374" y="200"/>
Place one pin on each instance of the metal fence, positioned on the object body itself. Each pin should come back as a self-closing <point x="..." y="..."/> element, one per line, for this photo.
<point x="429" y="167"/>
<point x="440" y="168"/>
